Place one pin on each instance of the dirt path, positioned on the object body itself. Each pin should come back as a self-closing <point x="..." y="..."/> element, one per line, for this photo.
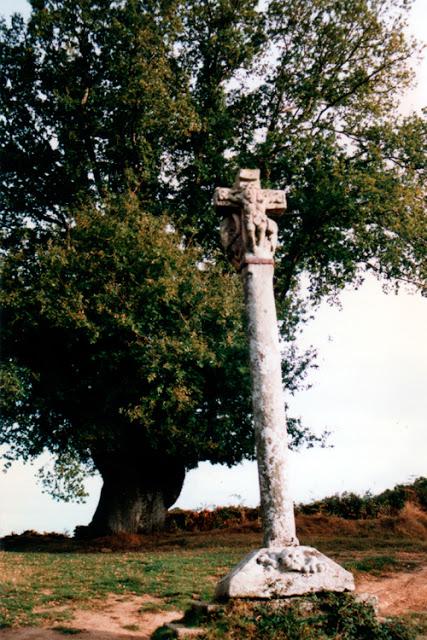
<point x="124" y="618"/>
<point x="118" y="618"/>
<point x="398" y="593"/>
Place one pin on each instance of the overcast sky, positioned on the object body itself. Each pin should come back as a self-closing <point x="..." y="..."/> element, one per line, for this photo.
<point x="370" y="390"/>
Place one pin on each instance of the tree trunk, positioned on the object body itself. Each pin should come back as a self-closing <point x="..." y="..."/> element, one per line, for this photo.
<point x="136" y="493"/>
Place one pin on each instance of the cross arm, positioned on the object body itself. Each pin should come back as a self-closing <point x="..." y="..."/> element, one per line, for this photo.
<point x="228" y="201"/>
<point x="274" y="202"/>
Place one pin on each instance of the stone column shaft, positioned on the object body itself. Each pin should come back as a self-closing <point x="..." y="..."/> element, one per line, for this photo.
<point x="268" y="406"/>
<point x="282" y="567"/>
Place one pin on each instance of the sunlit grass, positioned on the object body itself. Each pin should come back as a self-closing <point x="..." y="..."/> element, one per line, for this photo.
<point x="43" y="588"/>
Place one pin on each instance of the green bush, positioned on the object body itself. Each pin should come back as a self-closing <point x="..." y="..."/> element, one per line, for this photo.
<point x="320" y="617"/>
<point x="348" y="505"/>
<point x="420" y="488"/>
<point x="391" y="501"/>
<point x="353" y="507"/>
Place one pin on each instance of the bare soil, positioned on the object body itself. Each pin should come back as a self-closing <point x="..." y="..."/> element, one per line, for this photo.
<point x="132" y="617"/>
<point x="124" y="617"/>
<point x="115" y="618"/>
<point x="399" y="593"/>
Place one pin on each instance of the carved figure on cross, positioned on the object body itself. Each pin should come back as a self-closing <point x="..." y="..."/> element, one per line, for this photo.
<point x="282" y="567"/>
<point x="248" y="235"/>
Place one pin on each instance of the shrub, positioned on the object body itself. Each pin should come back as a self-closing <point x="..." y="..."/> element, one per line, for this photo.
<point x="324" y="617"/>
<point x="353" y="507"/>
<point x="420" y="488"/>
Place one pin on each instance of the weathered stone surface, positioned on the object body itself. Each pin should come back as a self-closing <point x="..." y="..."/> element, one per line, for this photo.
<point x="290" y="571"/>
<point x="249" y="238"/>
<point x="247" y="233"/>
<point x="282" y="568"/>
<point x="269" y="408"/>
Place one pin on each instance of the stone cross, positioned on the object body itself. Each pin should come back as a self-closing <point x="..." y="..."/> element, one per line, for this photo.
<point x="249" y="237"/>
<point x="282" y="567"/>
<point x="247" y="233"/>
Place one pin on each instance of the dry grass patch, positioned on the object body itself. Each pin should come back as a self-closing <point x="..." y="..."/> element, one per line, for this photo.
<point x="162" y="573"/>
<point x="13" y="573"/>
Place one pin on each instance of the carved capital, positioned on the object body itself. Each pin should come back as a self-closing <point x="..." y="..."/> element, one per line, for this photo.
<point x="247" y="233"/>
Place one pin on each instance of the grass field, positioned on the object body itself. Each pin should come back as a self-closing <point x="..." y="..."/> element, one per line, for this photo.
<point x="45" y="582"/>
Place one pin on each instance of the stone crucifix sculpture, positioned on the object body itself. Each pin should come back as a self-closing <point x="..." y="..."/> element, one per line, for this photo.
<point x="282" y="567"/>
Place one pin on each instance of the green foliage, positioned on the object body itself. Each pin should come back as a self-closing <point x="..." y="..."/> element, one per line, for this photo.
<point x="380" y="565"/>
<point x="353" y="507"/>
<point x="420" y="489"/>
<point x="163" y="633"/>
<point x="337" y="616"/>
<point x="349" y="506"/>
<point x="117" y="114"/>
<point x="165" y="99"/>
<point x="418" y="621"/>
<point x="116" y="329"/>
<point x="391" y="501"/>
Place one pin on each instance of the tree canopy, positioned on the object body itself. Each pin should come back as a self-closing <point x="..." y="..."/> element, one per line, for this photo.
<point x="118" y="121"/>
<point x="119" y="329"/>
<point x="165" y="99"/>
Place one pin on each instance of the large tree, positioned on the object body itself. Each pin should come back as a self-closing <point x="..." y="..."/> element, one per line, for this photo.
<point x="122" y="351"/>
<point x="117" y="114"/>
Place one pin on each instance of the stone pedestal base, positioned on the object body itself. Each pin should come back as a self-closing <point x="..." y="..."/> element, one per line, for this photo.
<point x="282" y="572"/>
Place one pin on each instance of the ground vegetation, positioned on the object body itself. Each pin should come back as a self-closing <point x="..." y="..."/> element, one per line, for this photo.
<point x="118" y="121"/>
